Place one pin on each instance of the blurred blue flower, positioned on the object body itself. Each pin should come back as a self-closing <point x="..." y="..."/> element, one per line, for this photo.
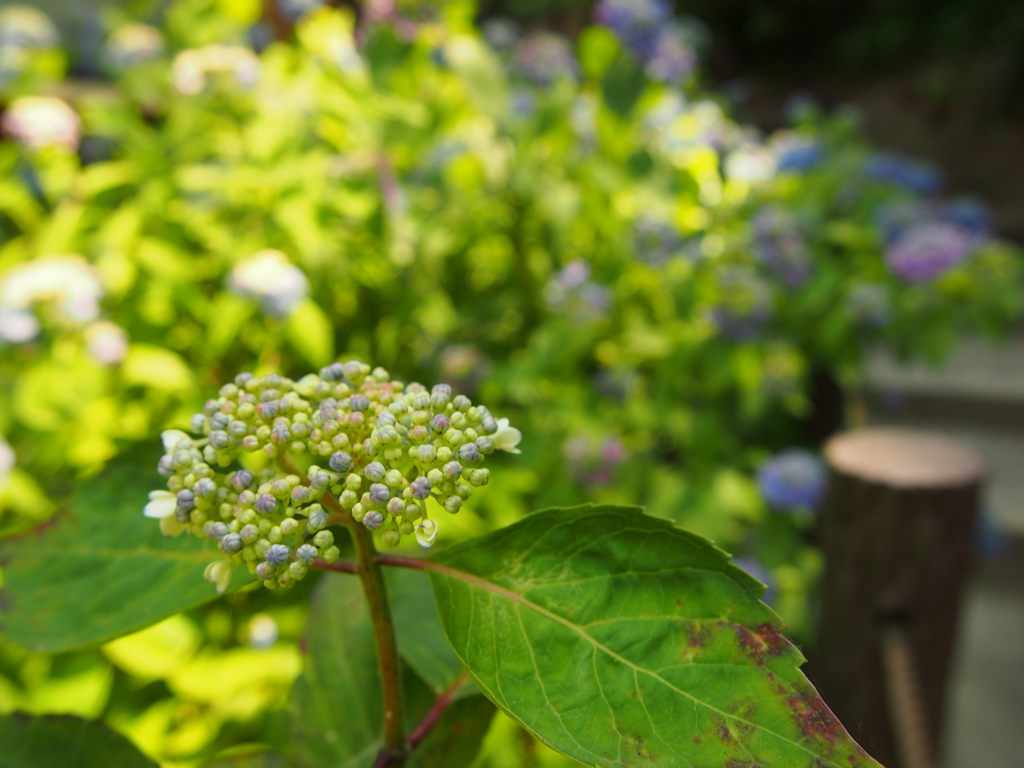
<point x="969" y="213"/>
<point x="759" y="572"/>
<point x="913" y="175"/>
<point x="792" y="480"/>
<point x="673" y="57"/>
<point x="637" y="23"/>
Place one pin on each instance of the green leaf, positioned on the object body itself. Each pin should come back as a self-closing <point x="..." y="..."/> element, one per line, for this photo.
<point x="309" y="332"/>
<point x="61" y="741"/>
<point x="101" y="570"/>
<point x="621" y="640"/>
<point x="421" y="640"/>
<point x="338" y="709"/>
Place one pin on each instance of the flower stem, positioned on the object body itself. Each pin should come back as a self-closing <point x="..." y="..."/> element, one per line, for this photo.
<point x="372" y="578"/>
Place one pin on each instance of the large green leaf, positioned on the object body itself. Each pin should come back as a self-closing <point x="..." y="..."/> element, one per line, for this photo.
<point x="101" y="570"/>
<point x="338" y="711"/>
<point x="61" y="741"/>
<point x="421" y="640"/>
<point x="621" y="640"/>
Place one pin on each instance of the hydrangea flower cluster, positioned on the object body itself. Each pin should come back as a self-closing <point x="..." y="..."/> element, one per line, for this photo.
<point x="24" y="27"/>
<point x="745" y="304"/>
<point x="647" y="29"/>
<point x="42" y="121"/>
<point x="573" y="292"/>
<point x="794" y="479"/>
<point x="912" y="175"/>
<point x="269" y="277"/>
<point x="779" y="245"/>
<point x="67" y="284"/>
<point x="377" y="449"/>
<point x="928" y="251"/>
<point x="545" y="58"/>
<point x="132" y="44"/>
<point x="194" y="68"/>
<point x="655" y="240"/>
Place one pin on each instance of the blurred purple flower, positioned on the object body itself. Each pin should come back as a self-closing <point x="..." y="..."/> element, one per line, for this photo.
<point x="545" y="58"/>
<point x="779" y="245"/>
<point x="637" y="23"/>
<point x="571" y="291"/>
<point x="794" y="479"/>
<point x="593" y="463"/>
<point x="673" y="57"/>
<point x="929" y="250"/>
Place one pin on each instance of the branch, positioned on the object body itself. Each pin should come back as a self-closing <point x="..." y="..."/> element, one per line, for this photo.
<point x="434" y="715"/>
<point x="341" y="566"/>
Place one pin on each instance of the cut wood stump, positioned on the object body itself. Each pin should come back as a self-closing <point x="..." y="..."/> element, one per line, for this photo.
<point x="897" y="529"/>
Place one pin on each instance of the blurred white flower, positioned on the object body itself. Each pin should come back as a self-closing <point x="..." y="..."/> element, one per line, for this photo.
<point x="426" y="532"/>
<point x="133" y="43"/>
<point x="106" y="342"/>
<point x="507" y="437"/>
<point x="24" y="27"/>
<point x="68" y="282"/>
<point x="751" y="162"/>
<point x="192" y="68"/>
<point x="270" y="277"/>
<point x="42" y="121"/>
<point x="18" y="325"/>
<point x="263" y="631"/>
<point x="161" y="504"/>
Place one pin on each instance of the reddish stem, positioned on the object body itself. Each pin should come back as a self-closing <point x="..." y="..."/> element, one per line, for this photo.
<point x="421" y="731"/>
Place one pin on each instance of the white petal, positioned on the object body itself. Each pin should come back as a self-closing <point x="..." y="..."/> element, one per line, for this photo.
<point x="169" y="526"/>
<point x="507" y="437"/>
<point x="161" y="504"/>
<point x="426" y="532"/>
<point x="218" y="573"/>
<point x="171" y="438"/>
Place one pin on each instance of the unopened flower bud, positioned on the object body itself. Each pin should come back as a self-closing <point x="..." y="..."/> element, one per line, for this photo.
<point x="478" y="477"/>
<point x="249" y="533"/>
<point x="219" y="421"/>
<point x="317" y="517"/>
<point x="306" y="554"/>
<point x="420" y="488"/>
<point x="426" y="454"/>
<point x="186" y="500"/>
<point x="379" y="493"/>
<point x="265" y="504"/>
<point x="198" y="423"/>
<point x="341" y="461"/>
<point x="218" y="531"/>
<point x="461" y="403"/>
<point x="373" y="519"/>
<point x="205" y="488"/>
<point x="300" y="495"/>
<point x="278" y="554"/>
<point x="452" y="470"/>
<point x="453" y="504"/>
<point x="392" y="537"/>
<point x="396" y="506"/>
<point x="241" y="480"/>
<point x="469" y="453"/>
<point x="359" y="402"/>
<point x="289" y="525"/>
<point x="394" y="479"/>
<point x="265" y="570"/>
<point x="231" y="543"/>
<point x="220" y="440"/>
<point x="320" y="480"/>
<point x="485" y="445"/>
<point x="440" y="424"/>
<point x="164" y="466"/>
<point x="374" y="471"/>
<point x="331" y="555"/>
<point x="323" y="539"/>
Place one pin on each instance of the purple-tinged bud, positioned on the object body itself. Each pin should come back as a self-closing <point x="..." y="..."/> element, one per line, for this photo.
<point x="441" y="389"/>
<point x="242" y="379"/>
<point x="485" y="444"/>
<point x="280" y="434"/>
<point x="306" y="554"/>
<point x="300" y="495"/>
<point x="242" y="480"/>
<point x="219" y="530"/>
<point x="182" y="460"/>
<point x="265" y="504"/>
<point x="198" y="423"/>
<point x="278" y="554"/>
<point x="333" y="372"/>
<point x="249" y="533"/>
<point x="379" y="493"/>
<point x="340" y="461"/>
<point x="426" y="453"/>
<point x="419" y="488"/>
<point x="461" y="403"/>
<point x="419" y="433"/>
<point x="489" y="425"/>
<point x="396" y="506"/>
<point x="386" y="419"/>
<point x="359" y="402"/>
<point x="164" y="466"/>
<point x="232" y="543"/>
<point x="250" y="443"/>
<point x="238" y="429"/>
<point x="186" y="500"/>
<point x="373" y="519"/>
<point x="267" y="411"/>
<point x="375" y="471"/>
<point x="219" y="421"/>
<point x="205" y="488"/>
<point x="265" y="571"/>
<point x="452" y="470"/>
<point x="320" y="480"/>
<point x="469" y="453"/>
<point x="440" y="423"/>
<point x="220" y="440"/>
<point x="211" y="407"/>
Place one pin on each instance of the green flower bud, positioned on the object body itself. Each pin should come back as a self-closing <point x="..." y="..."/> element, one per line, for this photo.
<point x="265" y="570"/>
<point x="289" y="525"/>
<point x="317" y="517"/>
<point x="347" y="498"/>
<point x="298" y="571"/>
<point x="331" y="555"/>
<point x="392" y="537"/>
<point x="323" y="539"/>
<point x="478" y="477"/>
<point x="452" y="470"/>
<point x="406" y="527"/>
<point x="374" y="471"/>
<point x="453" y="504"/>
<point x="394" y="479"/>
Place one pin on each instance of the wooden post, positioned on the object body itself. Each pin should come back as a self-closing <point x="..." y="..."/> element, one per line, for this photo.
<point x="897" y="529"/>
